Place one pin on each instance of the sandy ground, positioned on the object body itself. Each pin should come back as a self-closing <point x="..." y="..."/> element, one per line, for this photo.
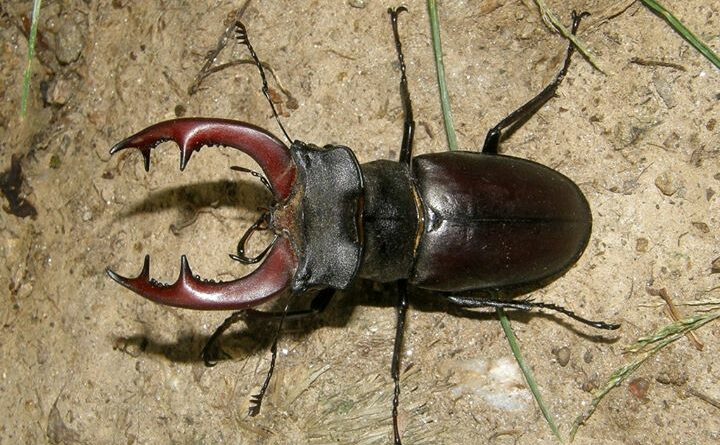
<point x="86" y="361"/>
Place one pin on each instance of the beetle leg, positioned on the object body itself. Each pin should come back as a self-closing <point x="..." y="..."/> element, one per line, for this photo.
<point x="208" y="353"/>
<point x="256" y="399"/>
<point x="409" y="123"/>
<point x="318" y="304"/>
<point x="242" y="38"/>
<point x="527" y="305"/>
<point x="401" y="310"/>
<point x="519" y="116"/>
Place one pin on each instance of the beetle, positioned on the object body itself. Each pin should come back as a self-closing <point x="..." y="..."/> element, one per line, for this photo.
<point x="456" y="223"/>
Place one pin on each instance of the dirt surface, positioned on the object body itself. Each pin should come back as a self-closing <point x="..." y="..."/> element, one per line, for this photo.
<point x="86" y="361"/>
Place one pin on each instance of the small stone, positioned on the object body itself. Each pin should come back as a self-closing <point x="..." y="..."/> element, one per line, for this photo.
<point x="639" y="387"/>
<point x="55" y="161"/>
<point x="701" y="226"/>
<point x="641" y="245"/>
<point x="664" y="88"/>
<point x="710" y="125"/>
<point x="360" y="4"/>
<point x="672" y="376"/>
<point x="59" y="92"/>
<point x="666" y="183"/>
<point x="70" y="39"/>
<point x="715" y="265"/>
<point x="562" y="355"/>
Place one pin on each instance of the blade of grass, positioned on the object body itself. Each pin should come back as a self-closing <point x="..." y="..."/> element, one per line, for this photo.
<point x="648" y="346"/>
<point x="681" y="29"/>
<point x="440" y="68"/>
<point x="527" y="372"/>
<point x="31" y="55"/>
<point x="551" y="21"/>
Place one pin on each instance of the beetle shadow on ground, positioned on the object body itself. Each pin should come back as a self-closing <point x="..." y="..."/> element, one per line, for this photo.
<point x="193" y="198"/>
<point x="253" y="336"/>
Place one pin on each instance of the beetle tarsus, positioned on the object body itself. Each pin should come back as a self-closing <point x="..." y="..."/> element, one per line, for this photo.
<point x="527" y="305"/>
<point x="596" y="324"/>
<point x="256" y="399"/>
<point x="242" y="38"/>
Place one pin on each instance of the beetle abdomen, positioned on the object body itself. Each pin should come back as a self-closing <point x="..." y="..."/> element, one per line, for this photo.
<point x="494" y="222"/>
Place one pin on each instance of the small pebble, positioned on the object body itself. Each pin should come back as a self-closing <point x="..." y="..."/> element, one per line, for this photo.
<point x="70" y="39"/>
<point x="562" y="355"/>
<point x="666" y="183"/>
<point x="710" y="125"/>
<point x="715" y="265"/>
<point x="701" y="226"/>
<point x="59" y="92"/>
<point x="639" y="387"/>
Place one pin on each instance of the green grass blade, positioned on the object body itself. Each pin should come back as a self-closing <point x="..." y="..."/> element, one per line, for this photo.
<point x="551" y="21"/>
<point x="31" y="55"/>
<point x="440" y="68"/>
<point x="647" y="346"/>
<point x="527" y="372"/>
<point x="678" y="26"/>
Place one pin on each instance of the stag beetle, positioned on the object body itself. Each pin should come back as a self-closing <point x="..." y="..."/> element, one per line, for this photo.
<point x="455" y="223"/>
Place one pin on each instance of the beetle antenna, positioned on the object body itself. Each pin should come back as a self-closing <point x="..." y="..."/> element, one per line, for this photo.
<point x="242" y="37"/>
<point x="256" y="399"/>
<point x="261" y="224"/>
<point x="527" y="305"/>
<point x="261" y="177"/>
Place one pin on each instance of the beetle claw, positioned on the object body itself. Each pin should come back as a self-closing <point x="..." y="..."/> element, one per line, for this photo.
<point x="272" y="278"/>
<point x="275" y="274"/>
<point x="194" y="133"/>
<point x="153" y="136"/>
